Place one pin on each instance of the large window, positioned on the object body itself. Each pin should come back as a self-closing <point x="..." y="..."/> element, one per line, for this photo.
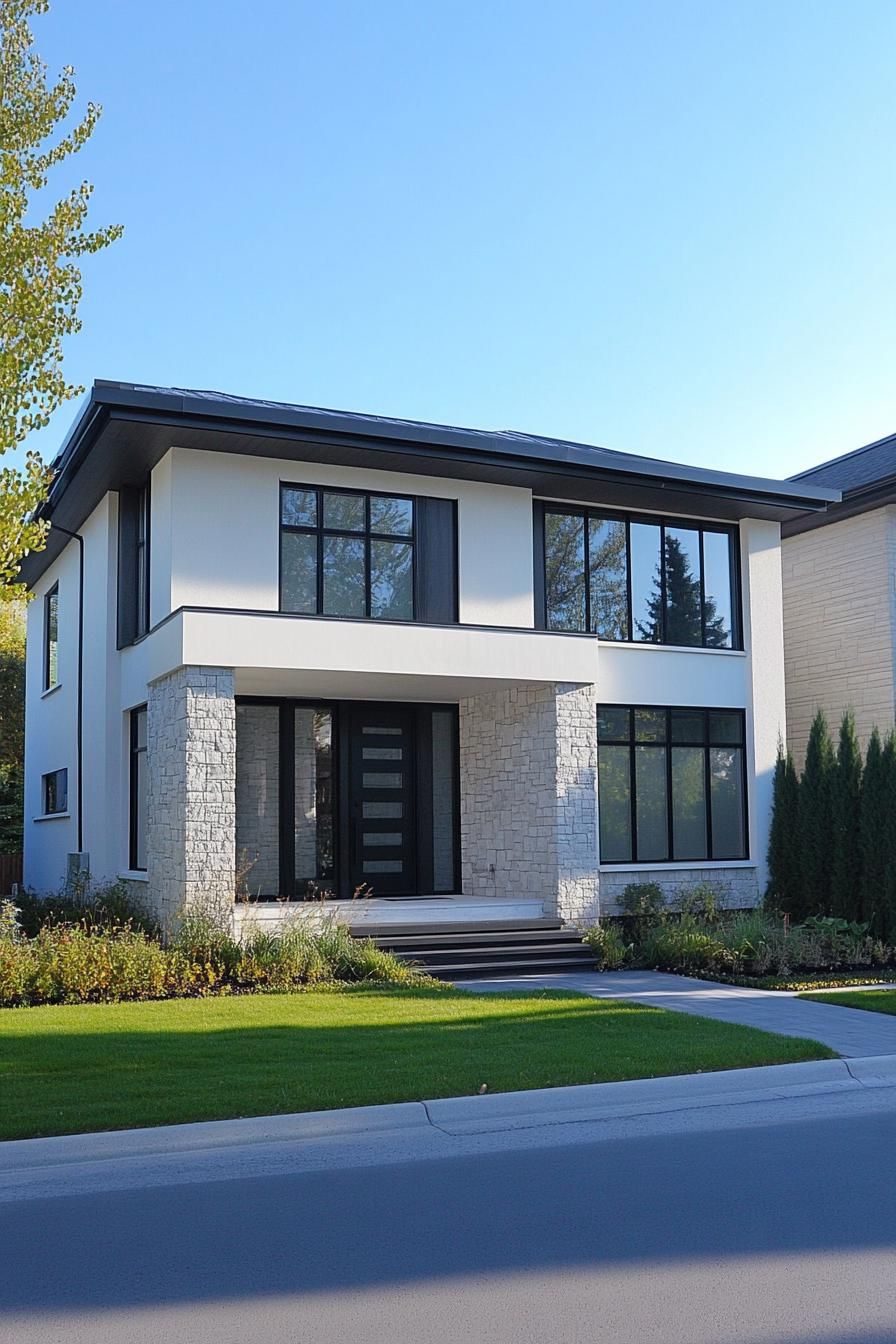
<point x="133" y="563"/>
<point x="54" y="790"/>
<point x="137" y="841"/>
<point x="346" y="553"/>
<point x="672" y="784"/>
<point x="629" y="578"/>
<point x="51" y="638"/>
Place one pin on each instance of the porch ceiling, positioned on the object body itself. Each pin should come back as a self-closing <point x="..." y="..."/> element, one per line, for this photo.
<point x="304" y="684"/>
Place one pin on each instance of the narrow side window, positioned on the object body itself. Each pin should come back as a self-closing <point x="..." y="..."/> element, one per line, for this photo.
<point x="51" y="638"/>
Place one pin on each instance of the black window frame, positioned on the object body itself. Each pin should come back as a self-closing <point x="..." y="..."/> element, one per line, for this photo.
<point x="58" y="811"/>
<point x="543" y="507"/>
<point x="321" y="531"/>
<point x="706" y="744"/>
<point x="51" y="599"/>
<point x="141" y="565"/>
<point x="134" y="562"/>
<point x="135" y="751"/>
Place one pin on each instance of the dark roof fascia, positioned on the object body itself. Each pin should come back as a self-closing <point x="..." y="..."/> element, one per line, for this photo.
<point x="368" y="428"/>
<point x="853" y="503"/>
<point x="248" y="426"/>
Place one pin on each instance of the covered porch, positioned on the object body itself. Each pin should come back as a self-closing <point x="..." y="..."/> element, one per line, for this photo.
<point x="380" y="796"/>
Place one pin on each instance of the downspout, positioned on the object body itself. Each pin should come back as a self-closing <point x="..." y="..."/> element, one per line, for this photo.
<point x="79" y="773"/>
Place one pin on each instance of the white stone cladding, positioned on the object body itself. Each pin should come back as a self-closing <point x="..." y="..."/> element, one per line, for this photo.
<point x="191" y="796"/>
<point x="528" y="758"/>
<point x="839" y="626"/>
<point x="738" y="886"/>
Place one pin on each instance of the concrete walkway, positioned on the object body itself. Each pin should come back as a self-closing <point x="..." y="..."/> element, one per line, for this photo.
<point x="847" y="1030"/>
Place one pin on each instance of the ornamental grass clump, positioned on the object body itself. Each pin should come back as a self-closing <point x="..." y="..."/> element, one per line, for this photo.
<point x="85" y="962"/>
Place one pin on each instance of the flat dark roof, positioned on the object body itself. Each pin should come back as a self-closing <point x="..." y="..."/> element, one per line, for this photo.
<point x="124" y="429"/>
<point x="865" y="477"/>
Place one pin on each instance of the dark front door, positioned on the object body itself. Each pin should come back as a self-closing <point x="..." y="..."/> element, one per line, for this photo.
<point x="382" y="769"/>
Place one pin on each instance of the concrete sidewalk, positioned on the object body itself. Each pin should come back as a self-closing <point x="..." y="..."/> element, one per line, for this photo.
<point x="851" y="1032"/>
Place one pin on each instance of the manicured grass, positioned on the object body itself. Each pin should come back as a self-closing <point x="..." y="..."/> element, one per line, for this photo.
<point x="872" y="1000"/>
<point x="110" y="1066"/>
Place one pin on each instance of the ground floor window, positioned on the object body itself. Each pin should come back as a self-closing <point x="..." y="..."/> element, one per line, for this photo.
<point x="335" y="799"/>
<point x="138" y="781"/>
<point x="672" y="784"/>
<point x="55" y="792"/>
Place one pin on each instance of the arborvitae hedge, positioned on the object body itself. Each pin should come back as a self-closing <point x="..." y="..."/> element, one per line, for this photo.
<point x="785" y="877"/>
<point x="832" y="844"/>
<point x="816" y="821"/>
<point x="846" y="815"/>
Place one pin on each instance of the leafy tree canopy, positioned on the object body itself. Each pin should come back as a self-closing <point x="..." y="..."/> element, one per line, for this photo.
<point x="40" y="280"/>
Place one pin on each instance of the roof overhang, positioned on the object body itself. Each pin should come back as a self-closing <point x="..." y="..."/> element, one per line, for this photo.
<point x="124" y="429"/>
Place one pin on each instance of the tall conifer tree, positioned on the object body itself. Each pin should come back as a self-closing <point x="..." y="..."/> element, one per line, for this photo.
<point x="815" y="814"/>
<point x="872" y="837"/>
<point x="785" y="885"/>
<point x="846" y="810"/>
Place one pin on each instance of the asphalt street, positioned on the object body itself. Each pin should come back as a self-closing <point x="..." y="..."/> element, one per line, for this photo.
<point x="771" y="1223"/>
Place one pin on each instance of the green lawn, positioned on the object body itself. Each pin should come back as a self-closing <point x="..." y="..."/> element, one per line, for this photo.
<point x="872" y="1000"/>
<point x="70" y="1069"/>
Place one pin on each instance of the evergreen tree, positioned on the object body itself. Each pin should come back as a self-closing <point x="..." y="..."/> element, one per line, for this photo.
<point x="846" y="810"/>
<point x="682" y="610"/>
<point x="815" y="818"/>
<point x="784" y="886"/>
<point x="887" y="839"/>
<point x="873" y="829"/>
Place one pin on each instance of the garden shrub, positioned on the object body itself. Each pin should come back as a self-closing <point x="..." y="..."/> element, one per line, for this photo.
<point x="611" y="951"/>
<point x="643" y="907"/>
<point x="90" y="963"/>
<point x="685" y="946"/>
<point x="705" y="901"/>
<point x="103" y="905"/>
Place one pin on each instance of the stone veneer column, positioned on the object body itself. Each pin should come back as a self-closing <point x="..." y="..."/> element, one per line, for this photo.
<point x="191" y="812"/>
<point x="528" y="758"/>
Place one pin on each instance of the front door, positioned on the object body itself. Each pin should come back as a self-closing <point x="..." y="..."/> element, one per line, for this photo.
<point x="382" y="844"/>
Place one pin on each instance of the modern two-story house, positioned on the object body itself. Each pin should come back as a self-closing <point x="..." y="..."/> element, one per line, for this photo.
<point x="290" y="653"/>
<point x="840" y="596"/>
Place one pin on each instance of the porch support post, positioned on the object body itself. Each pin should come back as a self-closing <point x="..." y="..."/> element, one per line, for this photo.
<point x="191" y="808"/>
<point x="528" y="757"/>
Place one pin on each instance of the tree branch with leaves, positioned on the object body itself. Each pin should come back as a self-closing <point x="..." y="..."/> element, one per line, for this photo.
<point x="40" y="279"/>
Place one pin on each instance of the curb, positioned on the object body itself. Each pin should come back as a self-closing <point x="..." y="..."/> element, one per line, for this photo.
<point x="459" y="1116"/>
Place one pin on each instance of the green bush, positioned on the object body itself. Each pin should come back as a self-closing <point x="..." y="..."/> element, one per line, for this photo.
<point x="94" y="906"/>
<point x="705" y="901"/>
<point x="90" y="963"/>
<point x="611" y="951"/>
<point x="685" y="946"/>
<point x="643" y="907"/>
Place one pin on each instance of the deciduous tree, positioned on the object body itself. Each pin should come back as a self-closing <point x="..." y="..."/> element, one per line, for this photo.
<point x="40" y="279"/>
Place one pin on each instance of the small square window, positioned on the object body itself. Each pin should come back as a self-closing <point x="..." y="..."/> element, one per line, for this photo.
<point x="55" y="792"/>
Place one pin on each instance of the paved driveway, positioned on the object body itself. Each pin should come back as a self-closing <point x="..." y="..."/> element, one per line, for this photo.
<point x="847" y="1030"/>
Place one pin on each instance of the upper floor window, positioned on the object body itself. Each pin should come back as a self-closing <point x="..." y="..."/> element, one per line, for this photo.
<point x="653" y="581"/>
<point x="133" y="564"/>
<point x="54" y="788"/>
<point x="347" y="553"/>
<point x="671" y="784"/>
<point x="51" y="638"/>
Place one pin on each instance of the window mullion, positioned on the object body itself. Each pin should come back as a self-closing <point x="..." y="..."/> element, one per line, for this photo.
<point x="702" y="592"/>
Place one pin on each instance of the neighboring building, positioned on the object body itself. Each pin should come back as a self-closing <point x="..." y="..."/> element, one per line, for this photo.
<point x="331" y="650"/>
<point x="840" y="597"/>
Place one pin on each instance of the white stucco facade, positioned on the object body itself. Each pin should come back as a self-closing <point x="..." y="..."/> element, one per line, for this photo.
<point x="214" y="597"/>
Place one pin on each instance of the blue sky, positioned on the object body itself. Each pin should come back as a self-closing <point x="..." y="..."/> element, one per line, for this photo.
<point x="662" y="227"/>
